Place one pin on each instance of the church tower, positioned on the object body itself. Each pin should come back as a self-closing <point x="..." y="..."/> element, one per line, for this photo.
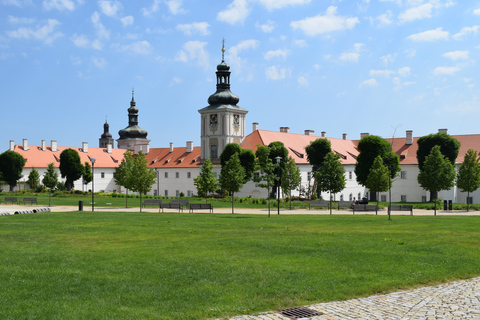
<point x="106" y="138"/>
<point x="222" y="121"/>
<point x="133" y="137"/>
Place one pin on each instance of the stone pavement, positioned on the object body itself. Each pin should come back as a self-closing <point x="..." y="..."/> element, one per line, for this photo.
<point x="449" y="301"/>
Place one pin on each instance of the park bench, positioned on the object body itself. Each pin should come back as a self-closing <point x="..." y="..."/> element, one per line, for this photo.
<point x="200" y="206"/>
<point x="344" y="204"/>
<point x="29" y="200"/>
<point x="316" y="203"/>
<point x="401" y="207"/>
<point x="10" y="199"/>
<point x="150" y="202"/>
<point x="364" y="207"/>
<point x="174" y="204"/>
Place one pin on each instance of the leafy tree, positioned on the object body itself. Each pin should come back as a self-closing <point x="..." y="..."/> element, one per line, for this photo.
<point x="11" y="166"/>
<point x="266" y="167"/>
<point x="50" y="180"/>
<point x="438" y="173"/>
<point x="232" y="176"/>
<point x="121" y="173"/>
<point x="33" y="179"/>
<point x="331" y="175"/>
<point x="70" y="167"/>
<point x="140" y="178"/>
<point x="246" y="156"/>
<point x="229" y="150"/>
<point x="206" y="181"/>
<point x="87" y="174"/>
<point x="378" y="179"/>
<point x="316" y="153"/>
<point x="277" y="149"/>
<point x="291" y="178"/>
<point x="468" y="176"/>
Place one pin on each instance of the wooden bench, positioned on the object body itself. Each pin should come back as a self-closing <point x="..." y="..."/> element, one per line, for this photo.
<point x="344" y="204"/>
<point x="401" y="207"/>
<point x="321" y="204"/>
<point x="174" y="204"/>
<point x="150" y="202"/>
<point x="200" y="206"/>
<point x="29" y="200"/>
<point x="11" y="199"/>
<point x="364" y="207"/>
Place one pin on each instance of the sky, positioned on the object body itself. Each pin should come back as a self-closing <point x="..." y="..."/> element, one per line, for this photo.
<point x="353" y="66"/>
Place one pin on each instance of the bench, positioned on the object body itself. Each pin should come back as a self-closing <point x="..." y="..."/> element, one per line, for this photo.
<point x="401" y="207"/>
<point x="11" y="199"/>
<point x="321" y="204"/>
<point x="150" y="202"/>
<point x="200" y="206"/>
<point x="174" y="204"/>
<point x="344" y="204"/>
<point x="29" y="200"/>
<point x="364" y="207"/>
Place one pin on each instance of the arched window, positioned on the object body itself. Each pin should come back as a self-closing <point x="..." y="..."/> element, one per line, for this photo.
<point x="213" y="151"/>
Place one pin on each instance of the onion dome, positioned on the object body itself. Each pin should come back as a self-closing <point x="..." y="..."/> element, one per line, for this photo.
<point x="133" y="131"/>
<point x="223" y="95"/>
<point x="106" y="134"/>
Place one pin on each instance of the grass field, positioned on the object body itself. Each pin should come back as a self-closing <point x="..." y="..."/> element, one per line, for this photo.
<point x="197" y="266"/>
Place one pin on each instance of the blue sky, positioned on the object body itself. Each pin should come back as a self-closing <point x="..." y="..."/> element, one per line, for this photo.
<point x="376" y="66"/>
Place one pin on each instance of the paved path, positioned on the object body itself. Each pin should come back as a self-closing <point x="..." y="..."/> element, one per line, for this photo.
<point x="450" y="301"/>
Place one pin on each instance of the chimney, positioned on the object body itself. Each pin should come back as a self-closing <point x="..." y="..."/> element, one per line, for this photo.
<point x="282" y="129"/>
<point x="324" y="134"/>
<point x="409" y="137"/>
<point x="85" y="147"/>
<point x="109" y="148"/>
<point x="171" y="146"/>
<point x="25" y="144"/>
<point x="189" y="146"/>
<point x="12" y="145"/>
<point x="255" y="126"/>
<point x="43" y="145"/>
<point x="286" y="129"/>
<point x="309" y="132"/>
<point x="53" y="145"/>
<point x="344" y="136"/>
<point x="443" y="131"/>
<point x="362" y="135"/>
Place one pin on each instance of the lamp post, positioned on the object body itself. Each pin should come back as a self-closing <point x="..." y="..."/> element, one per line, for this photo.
<point x="278" y="186"/>
<point x="93" y="180"/>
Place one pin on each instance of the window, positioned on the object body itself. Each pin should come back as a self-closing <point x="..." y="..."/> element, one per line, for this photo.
<point x="383" y="198"/>
<point x="177" y="175"/>
<point x="309" y="175"/>
<point x="213" y="151"/>
<point x="424" y="198"/>
<point x="177" y="193"/>
<point x="469" y="200"/>
<point x="215" y="175"/>
<point x="350" y="175"/>
<point x="359" y="196"/>
<point x="350" y="197"/>
<point x="102" y="175"/>
<point x="403" y="174"/>
<point x="256" y="175"/>
<point x="403" y="198"/>
<point x="166" y="193"/>
<point x="341" y="197"/>
<point x="189" y="175"/>
<point x="166" y="175"/>
<point x="189" y="193"/>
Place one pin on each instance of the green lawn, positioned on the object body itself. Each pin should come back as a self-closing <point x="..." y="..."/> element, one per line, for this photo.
<point x="200" y="266"/>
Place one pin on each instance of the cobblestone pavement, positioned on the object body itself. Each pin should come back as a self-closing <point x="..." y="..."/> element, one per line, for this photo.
<point x="449" y="301"/>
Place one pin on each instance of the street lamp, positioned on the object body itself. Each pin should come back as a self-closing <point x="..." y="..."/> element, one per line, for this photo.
<point x="93" y="179"/>
<point x="278" y="158"/>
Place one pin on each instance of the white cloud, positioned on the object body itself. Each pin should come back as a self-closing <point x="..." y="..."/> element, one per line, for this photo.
<point x="303" y="81"/>
<point x="404" y="72"/>
<point x="139" y="47"/>
<point x="194" y="51"/>
<point x="282" y="54"/>
<point x="350" y="56"/>
<point x="237" y="11"/>
<point x="81" y="41"/>
<point x="278" y="4"/>
<point x="416" y="13"/>
<point x="18" y="3"/>
<point x="175" y="6"/>
<point x="274" y="73"/>
<point x="16" y="20"/>
<point x="59" y="5"/>
<point x="447" y="71"/>
<point x="99" y="62"/>
<point x="477" y="12"/>
<point x="430" y="35"/>
<point x="399" y="84"/>
<point x="385" y="19"/>
<point x="45" y="33"/>
<point x="110" y="8"/>
<point x="369" y="83"/>
<point x="381" y="73"/>
<point x="126" y="21"/>
<point x="410" y="53"/>
<point x="466" y="31"/>
<point x="243" y="45"/>
<point x="457" y="55"/>
<point x="154" y="8"/>
<point x="176" y="80"/>
<point x="386" y="59"/>
<point x="102" y="33"/>
<point x="325" y="24"/>
<point x="267" y="27"/>
<point x="97" y="45"/>
<point x="200" y="28"/>
<point x="242" y="66"/>
<point x="300" y="43"/>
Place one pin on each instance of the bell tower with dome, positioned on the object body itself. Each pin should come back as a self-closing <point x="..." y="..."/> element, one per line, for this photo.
<point x="133" y="137"/>
<point x="222" y="121"/>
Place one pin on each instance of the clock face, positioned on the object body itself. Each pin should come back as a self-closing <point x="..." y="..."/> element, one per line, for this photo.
<point x="213" y="119"/>
<point x="236" y="119"/>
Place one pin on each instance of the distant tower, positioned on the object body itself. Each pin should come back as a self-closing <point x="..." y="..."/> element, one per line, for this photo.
<point x="106" y="138"/>
<point x="133" y="137"/>
<point x="222" y="122"/>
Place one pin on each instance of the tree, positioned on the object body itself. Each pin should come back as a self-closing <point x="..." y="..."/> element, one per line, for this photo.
<point x="87" y="174"/>
<point x="291" y="178"/>
<point x="206" y="181"/>
<point x="438" y="173"/>
<point x="316" y="153"/>
<point x="121" y="173"/>
<point x="468" y="176"/>
<point x="232" y="176"/>
<point x="33" y="179"/>
<point x="50" y="180"/>
<point x="140" y="178"/>
<point x="246" y="156"/>
<point x="266" y="167"/>
<point x="277" y="149"/>
<point x="378" y="179"/>
<point x="11" y="166"/>
<point x="331" y="175"/>
<point x="70" y="167"/>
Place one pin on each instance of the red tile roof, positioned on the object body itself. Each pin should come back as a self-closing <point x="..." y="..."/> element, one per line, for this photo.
<point x="179" y="158"/>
